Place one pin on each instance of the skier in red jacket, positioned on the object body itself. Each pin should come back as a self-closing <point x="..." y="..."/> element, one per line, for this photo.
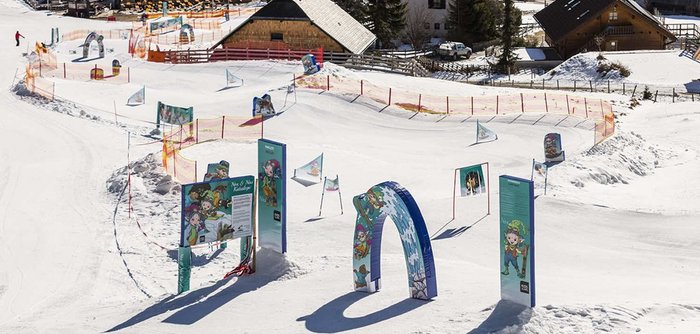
<point x="17" y="36"/>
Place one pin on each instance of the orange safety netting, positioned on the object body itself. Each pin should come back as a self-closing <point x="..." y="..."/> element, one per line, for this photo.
<point x="201" y="130"/>
<point x="505" y="104"/>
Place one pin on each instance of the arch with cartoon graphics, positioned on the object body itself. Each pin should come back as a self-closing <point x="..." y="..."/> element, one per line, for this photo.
<point x="186" y="34"/>
<point x="389" y="199"/>
<point x="88" y="40"/>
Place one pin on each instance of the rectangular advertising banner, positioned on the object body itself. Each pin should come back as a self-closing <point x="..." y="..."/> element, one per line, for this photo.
<point x="272" y="195"/>
<point x="517" y="240"/>
<point x="174" y="115"/>
<point x="217" y="210"/>
<point x="471" y="181"/>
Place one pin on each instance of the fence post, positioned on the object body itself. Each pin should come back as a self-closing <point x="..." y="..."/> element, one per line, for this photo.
<point x="522" y="103"/>
<point x="590" y="83"/>
<point x="634" y="90"/>
<point x="128" y="74"/>
<point x="472" y="105"/>
<point x="585" y="106"/>
<point x="542" y="84"/>
<point x="602" y="111"/>
<point x="608" y="86"/>
<point x="328" y="82"/>
<point x="64" y="70"/>
<point x="557" y="84"/>
<point x="419" y="101"/>
<point x="623" y="89"/>
<point x="568" y="110"/>
<point x="174" y="167"/>
<point x="655" y="94"/>
<point x="195" y="171"/>
<point x="574" y="85"/>
<point x="389" y="96"/>
<point x="673" y="97"/>
<point x="223" y="124"/>
<point x="546" y="107"/>
<point x="196" y="133"/>
<point x="362" y="88"/>
<point x="447" y="98"/>
<point x="496" y="104"/>
<point x="40" y="66"/>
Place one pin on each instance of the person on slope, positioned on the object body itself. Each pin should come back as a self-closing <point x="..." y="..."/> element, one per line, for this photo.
<point x="17" y="36"/>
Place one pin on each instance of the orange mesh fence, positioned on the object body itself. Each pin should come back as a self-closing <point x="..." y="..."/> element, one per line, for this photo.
<point x="243" y="128"/>
<point x="209" y="129"/>
<point x="510" y="104"/>
<point x="179" y="137"/>
<point x="107" y="34"/>
<point x="184" y="170"/>
<point x="526" y="102"/>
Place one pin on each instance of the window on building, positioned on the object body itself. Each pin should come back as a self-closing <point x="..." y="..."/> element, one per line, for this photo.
<point x="437" y="4"/>
<point x="276" y="36"/>
<point x="437" y="26"/>
<point x="612" y="16"/>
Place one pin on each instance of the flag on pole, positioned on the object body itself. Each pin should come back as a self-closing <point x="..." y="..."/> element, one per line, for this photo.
<point x="483" y="134"/>
<point x="138" y="98"/>
<point x="332" y="185"/>
<point x="311" y="173"/>
<point x="232" y="80"/>
<point x="539" y="174"/>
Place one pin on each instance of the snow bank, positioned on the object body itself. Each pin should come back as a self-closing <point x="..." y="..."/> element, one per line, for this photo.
<point x="584" y="67"/>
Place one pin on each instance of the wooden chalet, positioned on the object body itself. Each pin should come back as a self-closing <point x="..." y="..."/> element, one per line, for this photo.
<point x="301" y="25"/>
<point x="571" y="26"/>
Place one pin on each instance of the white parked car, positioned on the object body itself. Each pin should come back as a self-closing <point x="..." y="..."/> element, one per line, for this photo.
<point x="454" y="50"/>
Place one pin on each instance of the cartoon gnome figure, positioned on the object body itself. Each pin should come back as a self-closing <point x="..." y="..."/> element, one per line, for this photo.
<point x="512" y="248"/>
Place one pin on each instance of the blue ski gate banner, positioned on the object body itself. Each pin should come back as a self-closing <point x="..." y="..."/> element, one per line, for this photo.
<point x="517" y="240"/>
<point x="272" y="195"/>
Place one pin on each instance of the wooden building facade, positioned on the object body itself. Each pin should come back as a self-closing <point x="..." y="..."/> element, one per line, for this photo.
<point x="580" y="25"/>
<point x="300" y="25"/>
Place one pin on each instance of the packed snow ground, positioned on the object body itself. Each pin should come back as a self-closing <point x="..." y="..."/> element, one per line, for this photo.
<point x="614" y="232"/>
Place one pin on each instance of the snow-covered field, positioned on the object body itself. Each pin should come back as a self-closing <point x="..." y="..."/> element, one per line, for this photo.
<point x="616" y="233"/>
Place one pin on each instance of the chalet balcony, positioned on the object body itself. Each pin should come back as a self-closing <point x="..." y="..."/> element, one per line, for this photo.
<point x="619" y="30"/>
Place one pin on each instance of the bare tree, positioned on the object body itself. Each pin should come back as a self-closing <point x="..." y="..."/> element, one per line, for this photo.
<point x="417" y="19"/>
<point x="599" y="41"/>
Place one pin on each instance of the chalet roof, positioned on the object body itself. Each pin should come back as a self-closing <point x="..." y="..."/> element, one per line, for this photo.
<point x="325" y="14"/>
<point x="563" y="16"/>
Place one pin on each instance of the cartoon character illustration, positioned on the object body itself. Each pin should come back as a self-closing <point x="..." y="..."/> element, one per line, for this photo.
<point x="314" y="171"/>
<point x="219" y="197"/>
<point x="540" y="169"/>
<point x="551" y="149"/>
<point x="360" y="276"/>
<point x="271" y="172"/>
<point x="473" y="183"/>
<point x="362" y="243"/>
<point x="195" y="225"/>
<point x="207" y="206"/>
<point x="375" y="199"/>
<point x="512" y="242"/>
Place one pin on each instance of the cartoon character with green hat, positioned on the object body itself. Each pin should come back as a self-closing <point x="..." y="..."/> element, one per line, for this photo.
<point x="513" y="239"/>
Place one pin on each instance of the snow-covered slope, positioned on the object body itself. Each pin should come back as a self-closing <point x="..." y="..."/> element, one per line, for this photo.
<point x="616" y="251"/>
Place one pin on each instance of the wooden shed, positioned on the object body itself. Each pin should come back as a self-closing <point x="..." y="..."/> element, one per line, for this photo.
<point x="571" y="26"/>
<point x="301" y="25"/>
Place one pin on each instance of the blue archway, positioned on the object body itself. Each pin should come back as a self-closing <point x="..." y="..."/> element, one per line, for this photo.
<point x="391" y="199"/>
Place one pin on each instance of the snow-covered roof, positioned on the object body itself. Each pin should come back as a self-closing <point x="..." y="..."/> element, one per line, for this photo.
<point x="325" y="14"/>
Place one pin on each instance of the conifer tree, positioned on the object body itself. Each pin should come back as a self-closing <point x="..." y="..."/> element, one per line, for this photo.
<point x="386" y="19"/>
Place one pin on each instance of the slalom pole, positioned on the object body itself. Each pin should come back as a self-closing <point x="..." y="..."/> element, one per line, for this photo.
<point x="340" y="195"/>
<point x="532" y="171"/>
<point x="323" y="192"/>
<point x="115" y="113"/>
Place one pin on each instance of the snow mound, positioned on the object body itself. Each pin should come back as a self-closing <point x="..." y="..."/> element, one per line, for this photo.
<point x="276" y="266"/>
<point x="619" y="159"/>
<point x="585" y="67"/>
